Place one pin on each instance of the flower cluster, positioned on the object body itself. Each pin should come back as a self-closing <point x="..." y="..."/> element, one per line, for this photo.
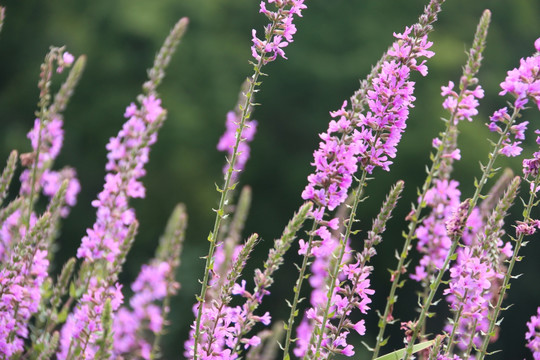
<point x="533" y="335"/>
<point x="523" y="83"/>
<point x="470" y="279"/>
<point x="352" y="138"/>
<point x="464" y="107"/>
<point x="335" y="162"/>
<point x="279" y="33"/>
<point x="228" y="140"/>
<point x="83" y="327"/>
<point x="23" y="253"/>
<point x="46" y="138"/>
<point x="152" y="285"/>
<point x="128" y="154"/>
<point x="224" y="327"/>
<point x="350" y="292"/>
<point x="20" y="290"/>
<point x="433" y="240"/>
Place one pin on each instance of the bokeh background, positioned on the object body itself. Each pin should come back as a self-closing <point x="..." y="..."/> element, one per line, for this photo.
<point x="336" y="44"/>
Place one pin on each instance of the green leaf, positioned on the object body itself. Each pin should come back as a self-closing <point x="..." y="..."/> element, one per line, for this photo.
<point x="398" y="354"/>
<point x="72" y="290"/>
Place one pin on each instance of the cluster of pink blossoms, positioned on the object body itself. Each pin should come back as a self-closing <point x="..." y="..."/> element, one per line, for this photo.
<point x="224" y="327"/>
<point x="279" y="33"/>
<point x="533" y="335"/>
<point x="21" y="281"/>
<point x="433" y="241"/>
<point x="20" y="290"/>
<point x="524" y="84"/>
<point x="370" y="140"/>
<point x="83" y="327"/>
<point x="464" y="108"/>
<point x="150" y="287"/>
<point x="228" y="140"/>
<point x="50" y="140"/>
<point x="128" y="154"/>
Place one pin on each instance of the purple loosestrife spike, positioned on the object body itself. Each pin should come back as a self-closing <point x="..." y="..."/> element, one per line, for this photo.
<point x="533" y="335"/>
<point x="281" y="34"/>
<point x="108" y="241"/>
<point x="222" y="324"/>
<point x="522" y="83"/>
<point x="21" y="278"/>
<point x="152" y="290"/>
<point x="47" y="139"/>
<point x="113" y="229"/>
<point x="128" y="154"/>
<point x="278" y="34"/>
<point x="263" y="278"/>
<point x="370" y="139"/>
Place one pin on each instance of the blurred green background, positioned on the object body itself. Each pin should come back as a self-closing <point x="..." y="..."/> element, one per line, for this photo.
<point x="336" y="44"/>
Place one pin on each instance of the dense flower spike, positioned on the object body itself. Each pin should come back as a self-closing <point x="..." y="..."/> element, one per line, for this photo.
<point x="533" y="335"/>
<point x="356" y="140"/>
<point x="369" y="139"/>
<point x="128" y="154"/>
<point x="281" y="34"/>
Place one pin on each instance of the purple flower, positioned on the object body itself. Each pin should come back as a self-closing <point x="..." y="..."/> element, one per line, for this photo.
<point x="20" y="294"/>
<point x="464" y="107"/>
<point x="130" y="326"/>
<point x="524" y="84"/>
<point x="369" y="139"/>
<point x="83" y="326"/>
<point x="533" y="330"/>
<point x="228" y="140"/>
<point x="128" y="154"/>
<point x="280" y="32"/>
<point x="433" y="240"/>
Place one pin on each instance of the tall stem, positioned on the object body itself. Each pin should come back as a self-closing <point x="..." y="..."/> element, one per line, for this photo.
<point x="220" y="212"/>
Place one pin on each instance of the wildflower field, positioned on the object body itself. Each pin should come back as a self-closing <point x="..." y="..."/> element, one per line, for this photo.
<point x="270" y="180"/>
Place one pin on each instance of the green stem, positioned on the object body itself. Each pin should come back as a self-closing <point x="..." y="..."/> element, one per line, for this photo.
<point x="297" y="287"/>
<point x="220" y="212"/>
